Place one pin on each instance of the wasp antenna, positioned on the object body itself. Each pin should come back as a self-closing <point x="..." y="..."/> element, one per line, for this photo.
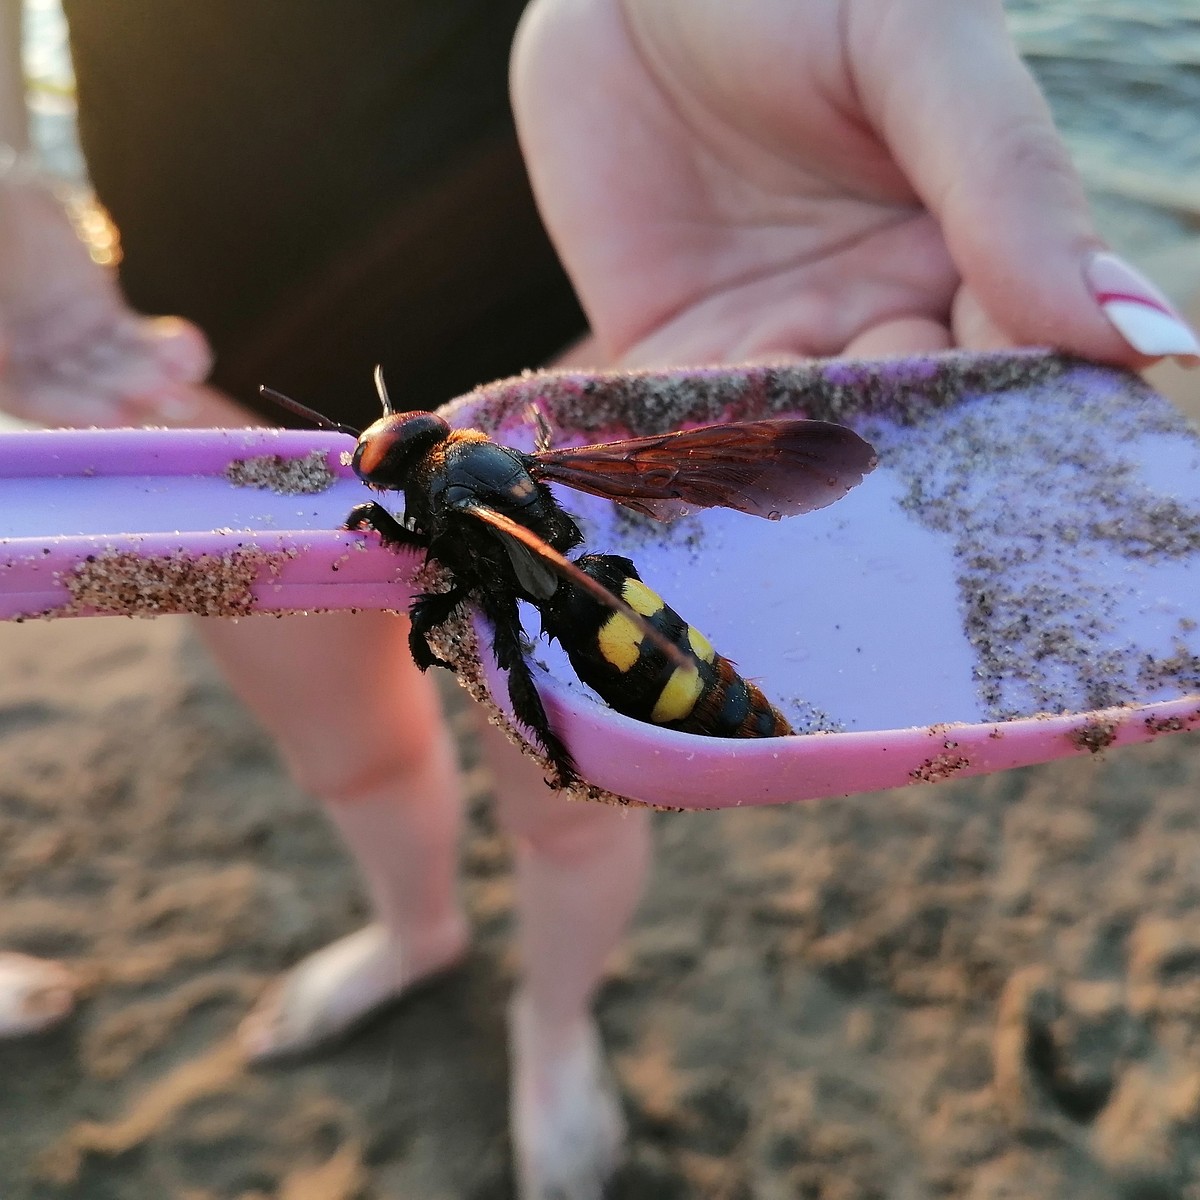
<point x="543" y="439"/>
<point x="381" y="390"/>
<point x="309" y="414"/>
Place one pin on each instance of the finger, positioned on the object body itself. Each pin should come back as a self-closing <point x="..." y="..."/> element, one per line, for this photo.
<point x="58" y="405"/>
<point x="967" y="122"/>
<point x="583" y="354"/>
<point x="178" y="346"/>
<point x="182" y="405"/>
<point x="972" y="326"/>
<point x="900" y="335"/>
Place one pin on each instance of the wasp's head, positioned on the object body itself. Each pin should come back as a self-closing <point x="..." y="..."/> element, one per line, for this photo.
<point x="388" y="450"/>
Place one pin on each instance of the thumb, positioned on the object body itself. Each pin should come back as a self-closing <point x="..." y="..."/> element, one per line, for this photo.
<point x="968" y="124"/>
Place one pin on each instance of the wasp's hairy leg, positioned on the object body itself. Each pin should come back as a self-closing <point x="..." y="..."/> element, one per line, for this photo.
<point x="427" y="612"/>
<point x="370" y="515"/>
<point x="522" y="691"/>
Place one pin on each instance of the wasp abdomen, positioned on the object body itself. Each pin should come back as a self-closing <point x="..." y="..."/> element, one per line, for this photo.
<point x="612" y="656"/>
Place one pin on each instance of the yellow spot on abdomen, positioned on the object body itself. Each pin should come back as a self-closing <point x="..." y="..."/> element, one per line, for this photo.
<point x="679" y="697"/>
<point x="702" y="648"/>
<point x="619" y="638"/>
<point x="620" y="641"/>
<point x="640" y="598"/>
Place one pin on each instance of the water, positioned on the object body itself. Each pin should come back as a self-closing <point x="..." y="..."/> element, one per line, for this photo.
<point x="1123" y="79"/>
<point x="51" y="89"/>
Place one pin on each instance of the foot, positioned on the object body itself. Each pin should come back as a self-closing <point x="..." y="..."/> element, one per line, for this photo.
<point x="332" y="990"/>
<point x="567" y="1128"/>
<point x="35" y="994"/>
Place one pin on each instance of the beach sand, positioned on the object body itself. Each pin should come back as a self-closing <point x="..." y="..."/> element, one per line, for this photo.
<point x="985" y="989"/>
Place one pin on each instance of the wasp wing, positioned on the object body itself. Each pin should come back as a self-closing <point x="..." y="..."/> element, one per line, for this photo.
<point x="519" y="540"/>
<point x="773" y="468"/>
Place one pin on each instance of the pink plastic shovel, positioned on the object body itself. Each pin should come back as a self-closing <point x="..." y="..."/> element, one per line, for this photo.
<point x="1015" y="582"/>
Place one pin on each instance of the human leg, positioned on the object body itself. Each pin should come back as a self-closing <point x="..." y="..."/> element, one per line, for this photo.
<point x="361" y="729"/>
<point x="580" y="868"/>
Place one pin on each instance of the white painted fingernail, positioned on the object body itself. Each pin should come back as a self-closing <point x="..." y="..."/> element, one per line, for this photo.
<point x="1139" y="312"/>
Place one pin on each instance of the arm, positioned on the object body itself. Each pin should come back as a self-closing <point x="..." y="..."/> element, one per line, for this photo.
<point x="71" y="351"/>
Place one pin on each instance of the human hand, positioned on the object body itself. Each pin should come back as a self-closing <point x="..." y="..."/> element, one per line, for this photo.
<point x="772" y="178"/>
<point x="71" y="351"/>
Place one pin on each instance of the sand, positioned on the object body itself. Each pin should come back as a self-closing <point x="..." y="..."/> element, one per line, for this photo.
<point x="985" y="989"/>
<point x="974" y="989"/>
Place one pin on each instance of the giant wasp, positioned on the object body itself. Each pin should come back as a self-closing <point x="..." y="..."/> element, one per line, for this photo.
<point x="484" y="512"/>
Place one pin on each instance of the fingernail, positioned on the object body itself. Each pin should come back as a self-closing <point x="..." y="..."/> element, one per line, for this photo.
<point x="181" y="349"/>
<point x="1139" y="312"/>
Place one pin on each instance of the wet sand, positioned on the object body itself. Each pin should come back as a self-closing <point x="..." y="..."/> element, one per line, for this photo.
<point x="982" y="989"/>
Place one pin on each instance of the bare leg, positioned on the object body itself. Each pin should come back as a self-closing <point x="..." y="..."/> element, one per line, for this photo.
<point x="72" y="352"/>
<point x="361" y="729"/>
<point x="580" y="870"/>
